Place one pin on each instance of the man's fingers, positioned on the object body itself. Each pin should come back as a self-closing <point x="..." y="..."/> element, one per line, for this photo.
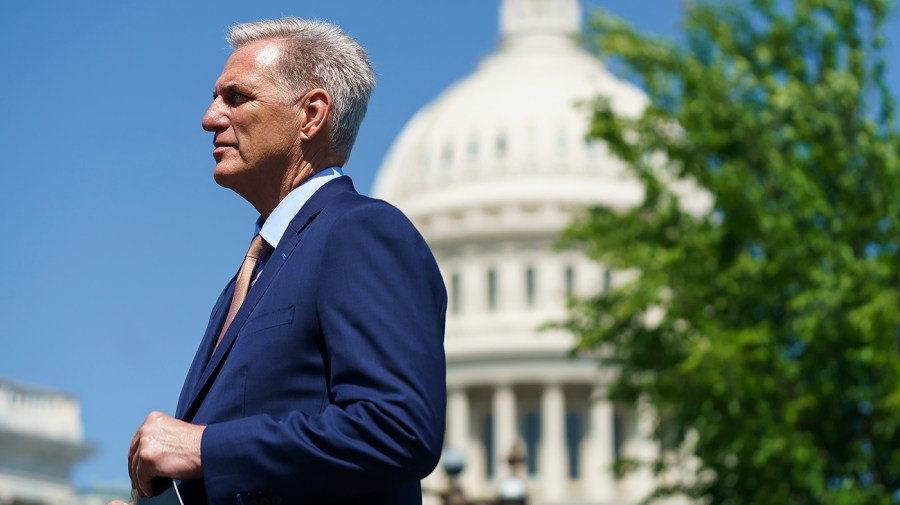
<point x="132" y="458"/>
<point x="142" y="483"/>
<point x="146" y="485"/>
<point x="163" y="446"/>
<point x="137" y="480"/>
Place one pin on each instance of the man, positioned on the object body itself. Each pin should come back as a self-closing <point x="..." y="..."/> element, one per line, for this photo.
<point x="325" y="381"/>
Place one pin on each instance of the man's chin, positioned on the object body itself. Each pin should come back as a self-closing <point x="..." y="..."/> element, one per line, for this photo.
<point x="235" y="181"/>
<point x="224" y="177"/>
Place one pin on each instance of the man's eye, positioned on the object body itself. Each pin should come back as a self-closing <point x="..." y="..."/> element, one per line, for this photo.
<point x="237" y="99"/>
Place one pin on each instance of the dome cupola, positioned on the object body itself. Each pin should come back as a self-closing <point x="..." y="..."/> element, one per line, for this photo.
<point x="532" y="17"/>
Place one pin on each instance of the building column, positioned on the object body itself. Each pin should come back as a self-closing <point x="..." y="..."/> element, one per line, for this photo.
<point x="553" y="464"/>
<point x="458" y="419"/>
<point x="597" y="476"/>
<point x="458" y="429"/>
<point x="504" y="427"/>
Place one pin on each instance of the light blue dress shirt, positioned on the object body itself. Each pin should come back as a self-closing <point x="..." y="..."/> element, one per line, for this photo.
<point x="273" y="228"/>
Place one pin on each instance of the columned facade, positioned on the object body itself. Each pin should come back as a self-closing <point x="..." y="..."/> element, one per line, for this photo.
<point x="570" y="441"/>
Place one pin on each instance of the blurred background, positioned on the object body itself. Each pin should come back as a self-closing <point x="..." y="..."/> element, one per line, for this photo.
<point x="116" y="240"/>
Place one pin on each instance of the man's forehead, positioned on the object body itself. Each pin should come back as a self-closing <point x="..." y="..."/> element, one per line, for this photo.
<point x="268" y="55"/>
<point x="250" y="63"/>
<point x="264" y="53"/>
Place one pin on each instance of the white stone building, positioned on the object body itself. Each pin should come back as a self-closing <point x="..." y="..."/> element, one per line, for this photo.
<point x="491" y="172"/>
<point x="41" y="441"/>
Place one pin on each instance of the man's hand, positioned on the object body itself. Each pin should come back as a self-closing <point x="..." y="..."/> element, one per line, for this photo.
<point x="164" y="447"/>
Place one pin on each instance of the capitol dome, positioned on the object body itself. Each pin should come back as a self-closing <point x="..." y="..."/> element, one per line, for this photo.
<point x="491" y="172"/>
<point x="513" y="125"/>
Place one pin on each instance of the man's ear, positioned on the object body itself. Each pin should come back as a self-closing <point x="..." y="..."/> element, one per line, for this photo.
<point x="316" y="104"/>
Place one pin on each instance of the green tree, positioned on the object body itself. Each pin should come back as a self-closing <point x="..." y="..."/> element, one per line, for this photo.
<point x="777" y="353"/>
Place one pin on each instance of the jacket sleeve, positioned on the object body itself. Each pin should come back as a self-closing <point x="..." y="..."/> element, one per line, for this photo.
<point x="381" y="305"/>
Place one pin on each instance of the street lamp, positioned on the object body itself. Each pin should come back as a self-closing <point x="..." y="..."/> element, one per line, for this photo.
<point x="513" y="489"/>
<point x="454" y="464"/>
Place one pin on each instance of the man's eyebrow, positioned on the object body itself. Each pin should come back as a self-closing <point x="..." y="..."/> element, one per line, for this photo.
<point x="232" y="86"/>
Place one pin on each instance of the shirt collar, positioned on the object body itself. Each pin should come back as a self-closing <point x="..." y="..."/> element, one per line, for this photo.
<point x="273" y="228"/>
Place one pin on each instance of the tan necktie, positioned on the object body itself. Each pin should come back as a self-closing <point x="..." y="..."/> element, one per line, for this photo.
<point x="259" y="248"/>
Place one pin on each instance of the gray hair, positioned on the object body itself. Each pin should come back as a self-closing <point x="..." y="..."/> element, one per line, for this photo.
<point x="319" y="55"/>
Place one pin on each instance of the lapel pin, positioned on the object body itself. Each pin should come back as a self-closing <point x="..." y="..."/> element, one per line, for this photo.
<point x="283" y="256"/>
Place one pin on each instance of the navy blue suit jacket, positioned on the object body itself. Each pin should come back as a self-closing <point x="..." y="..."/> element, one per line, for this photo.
<point x="329" y="385"/>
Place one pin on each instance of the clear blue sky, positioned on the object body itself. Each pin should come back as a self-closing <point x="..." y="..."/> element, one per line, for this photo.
<point x="116" y="240"/>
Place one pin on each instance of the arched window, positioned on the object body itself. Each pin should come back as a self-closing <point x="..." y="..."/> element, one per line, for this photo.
<point x="487" y="439"/>
<point x="492" y="290"/>
<point x="530" y="287"/>
<point x="500" y="145"/>
<point x="574" y="434"/>
<point x="531" y="435"/>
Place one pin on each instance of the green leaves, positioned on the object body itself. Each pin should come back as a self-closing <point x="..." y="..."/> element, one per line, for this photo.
<point x="777" y="346"/>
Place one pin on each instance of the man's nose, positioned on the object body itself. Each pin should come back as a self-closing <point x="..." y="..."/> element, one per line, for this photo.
<point x="215" y="118"/>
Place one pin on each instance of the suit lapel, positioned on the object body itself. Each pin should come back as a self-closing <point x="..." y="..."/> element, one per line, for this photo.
<point x="286" y="246"/>
<point x="189" y="390"/>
